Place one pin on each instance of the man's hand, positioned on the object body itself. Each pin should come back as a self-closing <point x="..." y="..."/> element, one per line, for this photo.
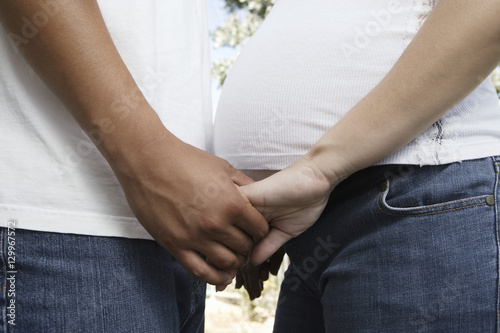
<point x="189" y="201"/>
<point x="291" y="200"/>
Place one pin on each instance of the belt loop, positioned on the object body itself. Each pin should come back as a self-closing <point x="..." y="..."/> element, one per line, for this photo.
<point x="496" y="160"/>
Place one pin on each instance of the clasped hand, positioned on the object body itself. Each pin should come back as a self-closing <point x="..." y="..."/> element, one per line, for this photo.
<point x="195" y="203"/>
<point x="191" y="204"/>
<point x="291" y="201"/>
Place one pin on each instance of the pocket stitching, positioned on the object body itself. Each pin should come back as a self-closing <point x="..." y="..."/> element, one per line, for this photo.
<point x="402" y="211"/>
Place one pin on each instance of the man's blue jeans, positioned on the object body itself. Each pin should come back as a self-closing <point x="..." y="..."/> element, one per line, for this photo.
<point x="400" y="249"/>
<point x="72" y="283"/>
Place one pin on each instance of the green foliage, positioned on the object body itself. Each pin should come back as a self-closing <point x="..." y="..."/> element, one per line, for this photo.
<point x="246" y="17"/>
<point x="257" y="7"/>
<point x="220" y="69"/>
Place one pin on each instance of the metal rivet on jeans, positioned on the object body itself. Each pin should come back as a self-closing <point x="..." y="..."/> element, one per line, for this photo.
<point x="490" y="200"/>
<point x="383" y="187"/>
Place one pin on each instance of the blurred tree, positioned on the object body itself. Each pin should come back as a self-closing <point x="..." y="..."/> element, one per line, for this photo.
<point x="258" y="7"/>
<point x="237" y="29"/>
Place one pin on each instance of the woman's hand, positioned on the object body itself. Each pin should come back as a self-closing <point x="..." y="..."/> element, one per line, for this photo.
<point x="394" y="113"/>
<point x="291" y="201"/>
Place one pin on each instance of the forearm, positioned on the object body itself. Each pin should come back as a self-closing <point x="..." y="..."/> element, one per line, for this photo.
<point x="184" y="197"/>
<point x="455" y="50"/>
<point x="74" y="55"/>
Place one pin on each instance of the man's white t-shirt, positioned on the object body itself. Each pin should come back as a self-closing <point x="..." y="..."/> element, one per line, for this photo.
<point x="52" y="178"/>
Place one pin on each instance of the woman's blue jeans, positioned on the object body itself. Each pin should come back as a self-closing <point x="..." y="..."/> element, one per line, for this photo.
<point x="64" y="283"/>
<point x="400" y="249"/>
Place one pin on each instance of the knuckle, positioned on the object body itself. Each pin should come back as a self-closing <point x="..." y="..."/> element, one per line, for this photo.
<point x="199" y="272"/>
<point x="234" y="208"/>
<point x="228" y="263"/>
<point x="230" y="169"/>
<point x="212" y="225"/>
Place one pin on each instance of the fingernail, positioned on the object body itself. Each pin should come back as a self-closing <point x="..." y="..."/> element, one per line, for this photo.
<point x="223" y="286"/>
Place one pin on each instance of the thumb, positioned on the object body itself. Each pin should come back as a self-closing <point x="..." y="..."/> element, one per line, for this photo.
<point x="254" y="193"/>
<point x="268" y="246"/>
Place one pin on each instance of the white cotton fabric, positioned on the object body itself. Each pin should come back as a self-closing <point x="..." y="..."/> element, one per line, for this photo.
<point x="311" y="61"/>
<point x="52" y="178"/>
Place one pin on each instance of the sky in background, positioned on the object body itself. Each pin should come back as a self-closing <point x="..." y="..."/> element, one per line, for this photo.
<point x="216" y="16"/>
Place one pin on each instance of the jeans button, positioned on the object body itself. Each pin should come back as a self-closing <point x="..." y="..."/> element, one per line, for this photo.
<point x="490" y="200"/>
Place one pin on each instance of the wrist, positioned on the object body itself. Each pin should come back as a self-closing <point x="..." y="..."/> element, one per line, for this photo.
<point x="330" y="162"/>
<point x="126" y="141"/>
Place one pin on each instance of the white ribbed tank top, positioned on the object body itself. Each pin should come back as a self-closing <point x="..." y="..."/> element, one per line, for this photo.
<point x="311" y="61"/>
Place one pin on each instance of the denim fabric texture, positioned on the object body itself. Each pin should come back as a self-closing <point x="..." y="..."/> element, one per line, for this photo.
<point x="73" y="283"/>
<point x="400" y="249"/>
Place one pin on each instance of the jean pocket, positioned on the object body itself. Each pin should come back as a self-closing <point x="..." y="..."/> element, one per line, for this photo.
<point x="420" y="196"/>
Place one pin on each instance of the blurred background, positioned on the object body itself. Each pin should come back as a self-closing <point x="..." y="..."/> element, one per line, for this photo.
<point x="232" y="23"/>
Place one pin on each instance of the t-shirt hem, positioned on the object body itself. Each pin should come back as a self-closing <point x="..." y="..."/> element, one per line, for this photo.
<point x="36" y="219"/>
<point x="408" y="157"/>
